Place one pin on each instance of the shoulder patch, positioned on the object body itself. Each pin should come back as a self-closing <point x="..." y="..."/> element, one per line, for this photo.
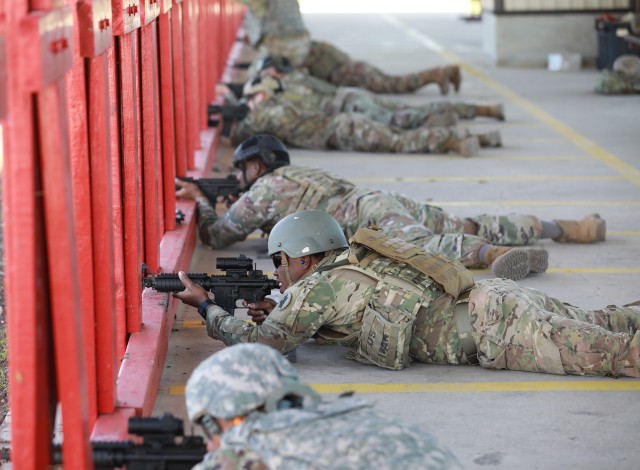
<point x="284" y="301"/>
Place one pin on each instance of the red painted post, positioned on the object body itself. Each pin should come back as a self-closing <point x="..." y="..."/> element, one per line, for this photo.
<point x="126" y="22"/>
<point x="190" y="25"/>
<point x="63" y="275"/>
<point x="165" y="48"/>
<point x="150" y="151"/>
<point x="117" y="206"/>
<point x="28" y="320"/>
<point x="179" y="101"/>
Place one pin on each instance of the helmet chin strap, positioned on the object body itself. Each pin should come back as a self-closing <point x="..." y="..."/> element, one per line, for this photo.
<point x="285" y="265"/>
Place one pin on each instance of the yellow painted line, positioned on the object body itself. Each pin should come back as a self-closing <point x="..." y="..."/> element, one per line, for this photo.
<point x="466" y="179"/>
<point x="577" y="271"/>
<point x="623" y="233"/>
<point x="627" y="171"/>
<point x="606" y="385"/>
<point x="534" y="203"/>
<point x="193" y="324"/>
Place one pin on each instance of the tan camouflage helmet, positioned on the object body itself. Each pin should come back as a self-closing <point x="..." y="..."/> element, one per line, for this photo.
<point x="236" y="380"/>
<point x="306" y="233"/>
<point x="268" y="84"/>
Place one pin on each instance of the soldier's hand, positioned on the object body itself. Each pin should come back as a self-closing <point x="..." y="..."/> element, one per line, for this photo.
<point x="258" y="311"/>
<point x="193" y="294"/>
<point x="188" y="190"/>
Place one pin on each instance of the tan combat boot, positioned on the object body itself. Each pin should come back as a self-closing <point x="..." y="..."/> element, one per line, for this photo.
<point x="490" y="139"/>
<point x="516" y="263"/>
<point x="589" y="229"/>
<point x="453" y="71"/>
<point x="495" y="111"/>
<point x="439" y="76"/>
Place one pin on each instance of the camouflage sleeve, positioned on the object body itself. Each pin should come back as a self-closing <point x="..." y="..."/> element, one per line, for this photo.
<point x="232" y="459"/>
<point x="302" y="310"/>
<point x="252" y="211"/>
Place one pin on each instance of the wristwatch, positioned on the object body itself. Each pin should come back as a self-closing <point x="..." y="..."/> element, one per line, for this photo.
<point x="202" y="309"/>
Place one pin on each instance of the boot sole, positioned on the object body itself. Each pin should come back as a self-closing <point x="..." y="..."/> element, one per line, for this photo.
<point x="469" y="146"/>
<point x="519" y="263"/>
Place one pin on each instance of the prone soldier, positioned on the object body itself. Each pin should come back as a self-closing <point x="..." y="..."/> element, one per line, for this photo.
<point x="276" y="27"/>
<point x="390" y="303"/>
<point x="273" y="189"/>
<point x="624" y="79"/>
<point x="257" y="415"/>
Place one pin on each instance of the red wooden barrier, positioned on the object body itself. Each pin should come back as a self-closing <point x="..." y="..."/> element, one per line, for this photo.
<point x="105" y="102"/>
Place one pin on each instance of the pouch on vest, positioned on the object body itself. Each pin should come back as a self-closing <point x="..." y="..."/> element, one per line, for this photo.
<point x="387" y="324"/>
<point x="451" y="275"/>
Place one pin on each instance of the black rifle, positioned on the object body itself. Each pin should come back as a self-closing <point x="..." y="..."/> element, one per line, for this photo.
<point x="240" y="281"/>
<point x="160" y="447"/>
<point x="229" y="113"/>
<point x="214" y="188"/>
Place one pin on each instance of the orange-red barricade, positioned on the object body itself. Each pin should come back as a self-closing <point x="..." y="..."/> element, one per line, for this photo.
<point x="103" y="103"/>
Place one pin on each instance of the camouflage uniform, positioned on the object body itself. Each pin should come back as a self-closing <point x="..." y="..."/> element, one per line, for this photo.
<point x="276" y="27"/>
<point x="298" y="124"/>
<point x="514" y="327"/>
<point x="313" y="433"/>
<point x="334" y="100"/>
<point x="338" y="434"/>
<point x="292" y="188"/>
<point x="611" y="82"/>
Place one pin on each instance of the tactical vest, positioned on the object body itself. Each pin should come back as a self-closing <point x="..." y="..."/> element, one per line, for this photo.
<point x="318" y="189"/>
<point x="387" y="321"/>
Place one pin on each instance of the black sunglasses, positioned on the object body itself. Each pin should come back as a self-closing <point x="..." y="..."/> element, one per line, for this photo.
<point x="277" y="259"/>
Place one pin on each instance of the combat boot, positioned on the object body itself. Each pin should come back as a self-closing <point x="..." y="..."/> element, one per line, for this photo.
<point x="490" y="139"/>
<point x="439" y="76"/>
<point x="589" y="229"/>
<point x="516" y="263"/>
<point x="453" y="71"/>
<point x="495" y="111"/>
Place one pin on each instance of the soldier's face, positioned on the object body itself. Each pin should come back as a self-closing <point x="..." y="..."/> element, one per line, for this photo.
<point x="297" y="268"/>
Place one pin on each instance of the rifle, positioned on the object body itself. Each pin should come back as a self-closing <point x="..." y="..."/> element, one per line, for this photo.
<point x="240" y="281"/>
<point x="230" y="114"/>
<point x="213" y="188"/>
<point x="159" y="448"/>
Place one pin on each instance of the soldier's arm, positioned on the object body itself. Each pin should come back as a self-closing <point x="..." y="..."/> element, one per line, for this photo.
<point x="253" y="210"/>
<point x="303" y="309"/>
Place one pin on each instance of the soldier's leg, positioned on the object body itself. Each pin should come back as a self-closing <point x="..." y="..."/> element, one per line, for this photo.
<point x="356" y="132"/>
<point x="471" y="111"/>
<point x="362" y="74"/>
<point x="524" y="329"/>
<point x="521" y="229"/>
<point x="357" y="100"/>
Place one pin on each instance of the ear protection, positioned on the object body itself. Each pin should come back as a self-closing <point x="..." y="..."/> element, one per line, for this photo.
<point x="301" y="261"/>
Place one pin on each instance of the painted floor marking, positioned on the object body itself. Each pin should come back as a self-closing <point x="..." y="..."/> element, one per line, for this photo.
<point x="611" y="385"/>
<point x="627" y="171"/>
<point x="465" y="179"/>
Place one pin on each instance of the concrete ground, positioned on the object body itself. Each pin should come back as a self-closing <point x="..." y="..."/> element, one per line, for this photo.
<point x="567" y="152"/>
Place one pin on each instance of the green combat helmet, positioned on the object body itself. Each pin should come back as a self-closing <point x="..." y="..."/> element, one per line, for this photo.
<point x="306" y="233"/>
<point x="240" y="378"/>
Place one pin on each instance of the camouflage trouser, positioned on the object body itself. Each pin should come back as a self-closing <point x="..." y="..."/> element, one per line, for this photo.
<point x="386" y="111"/>
<point x="520" y="328"/>
<point x="510" y="229"/>
<point x="329" y="63"/>
<point x="617" y="83"/>
<point x="390" y="214"/>
<point x="359" y="133"/>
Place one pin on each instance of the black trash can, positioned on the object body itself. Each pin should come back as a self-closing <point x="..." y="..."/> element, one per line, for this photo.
<point x="611" y="43"/>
